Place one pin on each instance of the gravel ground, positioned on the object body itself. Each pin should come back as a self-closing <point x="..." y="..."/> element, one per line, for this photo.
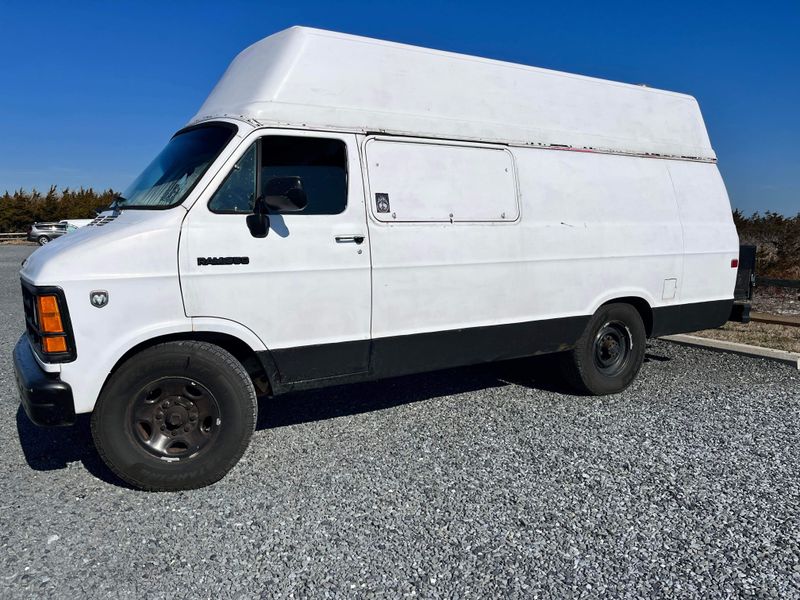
<point x="480" y="482"/>
<point x="776" y="301"/>
<point x="766" y="335"/>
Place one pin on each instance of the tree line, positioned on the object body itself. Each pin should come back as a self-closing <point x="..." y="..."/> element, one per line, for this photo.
<point x="777" y="237"/>
<point x="20" y="209"/>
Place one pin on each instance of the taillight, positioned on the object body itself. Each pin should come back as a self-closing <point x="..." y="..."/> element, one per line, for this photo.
<point x="734" y="263"/>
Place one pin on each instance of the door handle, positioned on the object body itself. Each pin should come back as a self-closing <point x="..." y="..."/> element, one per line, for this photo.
<point x="343" y="239"/>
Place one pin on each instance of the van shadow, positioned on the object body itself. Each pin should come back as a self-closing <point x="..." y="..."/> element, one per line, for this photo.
<point x="52" y="449"/>
<point x="278" y="225"/>
<point x="650" y="357"/>
<point x="55" y="448"/>
<point x="329" y="403"/>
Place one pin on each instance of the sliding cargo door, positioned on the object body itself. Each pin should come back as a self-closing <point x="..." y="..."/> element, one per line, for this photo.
<point x="446" y="239"/>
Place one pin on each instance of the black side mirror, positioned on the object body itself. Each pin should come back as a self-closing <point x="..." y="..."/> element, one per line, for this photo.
<point x="285" y="194"/>
<point x="258" y="222"/>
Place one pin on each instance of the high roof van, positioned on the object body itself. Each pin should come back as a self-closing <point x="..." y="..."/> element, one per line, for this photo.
<point x="343" y="209"/>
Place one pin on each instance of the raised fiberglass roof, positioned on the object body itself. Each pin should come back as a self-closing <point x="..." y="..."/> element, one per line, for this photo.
<point x="310" y="78"/>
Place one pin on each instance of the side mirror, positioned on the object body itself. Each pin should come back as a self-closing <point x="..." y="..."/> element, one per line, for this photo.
<point x="258" y="222"/>
<point x="285" y="194"/>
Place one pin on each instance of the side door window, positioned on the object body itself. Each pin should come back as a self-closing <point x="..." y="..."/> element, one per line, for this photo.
<point x="319" y="163"/>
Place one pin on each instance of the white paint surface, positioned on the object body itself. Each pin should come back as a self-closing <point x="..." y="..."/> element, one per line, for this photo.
<point x="326" y="80"/>
<point x="579" y="228"/>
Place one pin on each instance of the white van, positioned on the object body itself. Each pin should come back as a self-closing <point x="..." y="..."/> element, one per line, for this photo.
<point x="343" y="209"/>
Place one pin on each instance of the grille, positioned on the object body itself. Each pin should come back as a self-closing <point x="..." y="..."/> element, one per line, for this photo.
<point x="99" y="221"/>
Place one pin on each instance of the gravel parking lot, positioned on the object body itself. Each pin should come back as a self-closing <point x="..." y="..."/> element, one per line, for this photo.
<point x="480" y="482"/>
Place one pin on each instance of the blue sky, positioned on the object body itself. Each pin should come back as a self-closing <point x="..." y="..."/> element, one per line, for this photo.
<point x="90" y="91"/>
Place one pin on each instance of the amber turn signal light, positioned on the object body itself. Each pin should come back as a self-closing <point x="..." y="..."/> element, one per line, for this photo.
<point x="54" y="344"/>
<point x="50" y="318"/>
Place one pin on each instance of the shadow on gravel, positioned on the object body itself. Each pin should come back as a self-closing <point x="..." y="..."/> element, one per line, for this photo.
<point x="537" y="373"/>
<point x="650" y="357"/>
<point x="318" y="405"/>
<point x="54" y="448"/>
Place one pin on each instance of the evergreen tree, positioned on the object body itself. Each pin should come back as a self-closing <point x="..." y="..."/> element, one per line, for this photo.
<point x="20" y="209"/>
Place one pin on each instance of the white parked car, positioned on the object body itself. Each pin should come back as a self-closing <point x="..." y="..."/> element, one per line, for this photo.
<point x="343" y="209"/>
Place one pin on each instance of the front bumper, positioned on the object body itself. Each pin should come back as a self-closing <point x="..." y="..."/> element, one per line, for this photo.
<point x="46" y="399"/>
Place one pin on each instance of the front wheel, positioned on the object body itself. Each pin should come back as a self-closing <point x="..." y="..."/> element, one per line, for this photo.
<point x="175" y="416"/>
<point x="43" y="239"/>
<point x="610" y="352"/>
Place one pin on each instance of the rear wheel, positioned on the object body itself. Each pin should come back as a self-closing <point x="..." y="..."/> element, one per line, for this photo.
<point x="610" y="352"/>
<point x="175" y="416"/>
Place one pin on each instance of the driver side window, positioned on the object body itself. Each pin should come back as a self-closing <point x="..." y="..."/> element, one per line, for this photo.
<point x="319" y="164"/>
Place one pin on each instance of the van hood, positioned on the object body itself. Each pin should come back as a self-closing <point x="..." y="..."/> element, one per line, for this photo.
<point x="114" y="245"/>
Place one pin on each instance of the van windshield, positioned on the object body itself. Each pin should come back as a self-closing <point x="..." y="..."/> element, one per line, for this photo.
<point x="175" y="171"/>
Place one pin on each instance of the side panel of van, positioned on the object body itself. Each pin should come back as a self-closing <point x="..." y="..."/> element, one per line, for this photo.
<point x="598" y="227"/>
<point x="466" y="253"/>
<point x="606" y="227"/>
<point x="447" y="240"/>
<point x="710" y="238"/>
<point x="591" y="228"/>
<point x="431" y="274"/>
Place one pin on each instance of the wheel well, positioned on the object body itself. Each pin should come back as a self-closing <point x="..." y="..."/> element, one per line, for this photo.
<point x="240" y="351"/>
<point x="642" y="307"/>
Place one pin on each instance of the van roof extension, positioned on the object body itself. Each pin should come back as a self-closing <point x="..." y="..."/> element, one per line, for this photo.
<point x="303" y="77"/>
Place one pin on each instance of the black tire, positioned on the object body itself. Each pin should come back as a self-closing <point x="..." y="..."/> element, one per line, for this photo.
<point x="43" y="239"/>
<point x="609" y="354"/>
<point x="176" y="416"/>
